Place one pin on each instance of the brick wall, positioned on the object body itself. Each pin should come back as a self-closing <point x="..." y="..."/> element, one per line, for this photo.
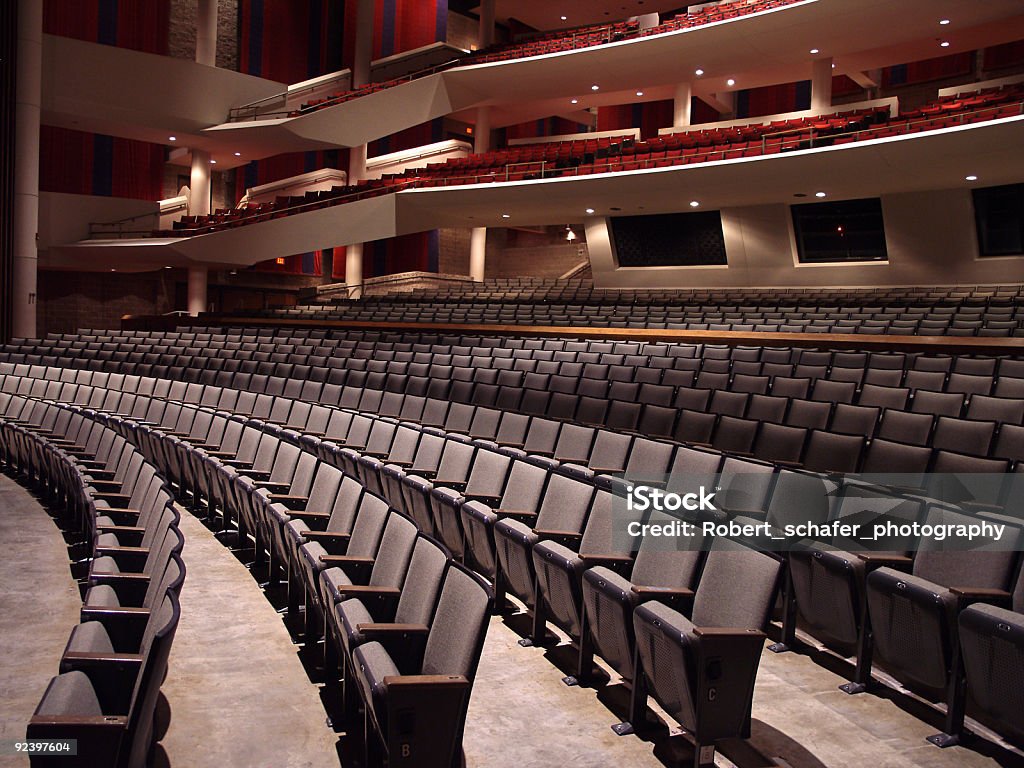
<point x="71" y="300"/>
<point x="550" y="259"/>
<point x="182" y="35"/>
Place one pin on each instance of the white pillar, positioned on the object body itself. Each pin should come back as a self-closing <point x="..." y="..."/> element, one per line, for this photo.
<point x="354" y="270"/>
<point x="364" y="43"/>
<point x="478" y="253"/>
<point x="206" y="33"/>
<point x="486" y="23"/>
<point x="682" y="113"/>
<point x="26" y="167"/>
<point x="821" y="83"/>
<point x="482" y="131"/>
<point x="356" y="164"/>
<point x="198" y="278"/>
<point x="199" y="196"/>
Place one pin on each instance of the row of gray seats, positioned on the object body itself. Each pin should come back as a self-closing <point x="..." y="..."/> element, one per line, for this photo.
<point x="115" y="660"/>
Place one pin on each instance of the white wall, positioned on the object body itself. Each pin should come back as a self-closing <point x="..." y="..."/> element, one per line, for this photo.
<point x="65" y="218"/>
<point x="930" y="237"/>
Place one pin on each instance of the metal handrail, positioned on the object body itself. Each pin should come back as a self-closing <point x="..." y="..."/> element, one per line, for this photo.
<point x="543" y="169"/>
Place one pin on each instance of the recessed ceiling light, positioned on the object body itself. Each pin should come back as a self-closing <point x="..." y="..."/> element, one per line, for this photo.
<point x="213" y="162"/>
<point x="506" y="216"/>
<point x="590" y="210"/>
<point x="639" y="93"/>
<point x="944" y="44"/>
<point x="730" y="82"/>
<point x="943" y="22"/>
<point x="695" y="204"/>
<point x="972" y="177"/>
<point x="238" y="154"/>
<point x="113" y="270"/>
<point x="814" y="50"/>
<point x="575" y="101"/>
<point x="698" y="72"/>
<point x="166" y="267"/>
<point x="564" y="18"/>
<point x="595" y="87"/>
<point x="819" y="194"/>
<point x="172" y="138"/>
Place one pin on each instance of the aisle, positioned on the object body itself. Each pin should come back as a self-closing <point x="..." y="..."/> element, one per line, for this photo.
<point x="39" y="604"/>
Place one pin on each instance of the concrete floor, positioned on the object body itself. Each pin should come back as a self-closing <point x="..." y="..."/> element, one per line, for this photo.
<point x="39" y="605"/>
<point x="237" y="693"/>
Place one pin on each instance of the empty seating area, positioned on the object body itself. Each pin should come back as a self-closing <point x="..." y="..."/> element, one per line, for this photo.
<point x="115" y="660"/>
<point x="599" y="156"/>
<point x="990" y="311"/>
<point x="399" y="521"/>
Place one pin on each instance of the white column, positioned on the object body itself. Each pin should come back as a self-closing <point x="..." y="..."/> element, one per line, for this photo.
<point x="26" y="167"/>
<point x="482" y="131"/>
<point x="199" y="195"/>
<point x="478" y="253"/>
<point x="821" y="83"/>
<point x="356" y="164"/>
<point x="198" y="278"/>
<point x="354" y="270"/>
<point x="681" y="114"/>
<point x="206" y="33"/>
<point x="364" y="43"/>
<point x="486" y="23"/>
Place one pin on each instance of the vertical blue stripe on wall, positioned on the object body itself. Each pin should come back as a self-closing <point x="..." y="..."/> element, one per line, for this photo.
<point x="252" y="174"/>
<point x="256" y="38"/>
<point x="380" y="258"/>
<point x="437" y="130"/>
<point x="315" y="22"/>
<point x="103" y="165"/>
<point x="310" y="161"/>
<point x="309" y="263"/>
<point x="803" y="94"/>
<point x="441" y="22"/>
<point x="107" y="22"/>
<point x="637" y="119"/>
<point x="742" y="103"/>
<point x="388" y="33"/>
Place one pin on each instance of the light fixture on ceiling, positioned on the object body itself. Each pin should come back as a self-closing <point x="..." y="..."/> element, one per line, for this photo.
<point x="819" y="194"/>
<point x="172" y="138"/>
<point x="238" y="154"/>
<point x="564" y="18"/>
<point x="574" y="101"/>
<point x="944" y="44"/>
<point x="730" y="82"/>
<point x="698" y="72"/>
<point x="569" y="234"/>
<point x="590" y="211"/>
<point x="639" y="93"/>
<point x="695" y="203"/>
<point x="113" y="270"/>
<point x="506" y="216"/>
<point x="213" y="162"/>
<point x="943" y="22"/>
<point x="972" y="177"/>
<point x="814" y="51"/>
<point x="595" y="87"/>
<point x="168" y="267"/>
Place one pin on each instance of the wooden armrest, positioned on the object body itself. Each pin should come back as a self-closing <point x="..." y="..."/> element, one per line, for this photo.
<point x="113" y="496"/>
<point x="120" y="529"/>
<point x="114" y="551"/>
<point x="272" y="484"/>
<point x="521" y="514"/>
<point x="728" y="632"/>
<point x="100" y="483"/>
<point x="607" y="470"/>
<point x="332" y="560"/>
<point x="286" y="498"/>
<point x="571" y="535"/>
<point x="593" y="559"/>
<point x="982" y="595"/>
<point x="455" y="485"/>
<point x="402" y="464"/>
<point x="79" y="659"/>
<point x="220" y="454"/>
<point x="304" y="514"/>
<point x="647" y="591"/>
<point x="110" y="723"/>
<point x="326" y="536"/>
<point x="367" y="591"/>
<point x="425" y="681"/>
<point x="373" y="631"/>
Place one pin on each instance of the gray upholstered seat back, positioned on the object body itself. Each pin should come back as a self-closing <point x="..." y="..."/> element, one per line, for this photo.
<point x="392" y="561"/>
<point x="565" y="505"/>
<point x="453" y="645"/>
<point x="736" y="588"/>
<point x="368" y="527"/>
<point x="422" y="583"/>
